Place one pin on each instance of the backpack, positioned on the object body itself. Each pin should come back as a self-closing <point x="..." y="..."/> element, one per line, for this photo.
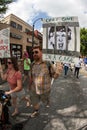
<point x="49" y="68"/>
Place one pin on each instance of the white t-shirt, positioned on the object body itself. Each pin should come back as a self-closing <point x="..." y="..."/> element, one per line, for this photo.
<point x="78" y="63"/>
<point x="66" y="64"/>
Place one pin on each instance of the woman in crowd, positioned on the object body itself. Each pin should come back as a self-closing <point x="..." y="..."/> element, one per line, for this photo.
<point x="14" y="78"/>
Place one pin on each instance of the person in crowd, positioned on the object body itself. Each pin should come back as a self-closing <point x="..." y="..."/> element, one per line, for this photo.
<point x="85" y="62"/>
<point x="77" y="66"/>
<point x="66" y="68"/>
<point x="14" y="78"/>
<point x="25" y="97"/>
<point x="26" y="63"/>
<point x="41" y="80"/>
<point x="26" y="78"/>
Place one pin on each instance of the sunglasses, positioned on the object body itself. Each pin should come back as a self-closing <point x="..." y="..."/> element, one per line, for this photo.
<point x="9" y="62"/>
<point x="35" y="52"/>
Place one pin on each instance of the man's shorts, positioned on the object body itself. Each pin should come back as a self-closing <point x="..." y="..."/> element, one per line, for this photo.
<point x="35" y="98"/>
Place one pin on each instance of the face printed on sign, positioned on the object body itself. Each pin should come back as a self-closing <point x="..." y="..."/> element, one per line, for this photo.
<point x="51" y="38"/>
<point x="61" y="36"/>
<point x="61" y="40"/>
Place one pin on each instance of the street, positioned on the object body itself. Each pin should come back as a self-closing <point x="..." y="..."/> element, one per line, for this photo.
<point x="68" y="109"/>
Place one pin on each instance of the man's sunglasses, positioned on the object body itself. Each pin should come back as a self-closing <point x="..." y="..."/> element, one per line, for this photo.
<point x="9" y="62"/>
<point x="35" y="52"/>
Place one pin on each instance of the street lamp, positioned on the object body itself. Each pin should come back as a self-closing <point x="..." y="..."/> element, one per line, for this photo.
<point x="33" y="31"/>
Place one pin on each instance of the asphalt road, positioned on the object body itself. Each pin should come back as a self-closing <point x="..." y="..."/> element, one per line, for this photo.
<point x="68" y="109"/>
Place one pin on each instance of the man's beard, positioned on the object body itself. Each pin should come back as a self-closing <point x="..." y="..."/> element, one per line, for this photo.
<point x="36" y="58"/>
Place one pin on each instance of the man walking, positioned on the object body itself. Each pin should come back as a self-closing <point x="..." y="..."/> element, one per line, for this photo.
<point x="77" y="67"/>
<point x="66" y="68"/>
<point x="41" y="80"/>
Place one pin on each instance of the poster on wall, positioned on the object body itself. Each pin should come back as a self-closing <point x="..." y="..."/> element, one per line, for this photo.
<point x="5" y="43"/>
<point x="61" y="38"/>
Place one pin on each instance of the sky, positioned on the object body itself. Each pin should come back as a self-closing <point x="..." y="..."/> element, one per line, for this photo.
<point x="30" y="10"/>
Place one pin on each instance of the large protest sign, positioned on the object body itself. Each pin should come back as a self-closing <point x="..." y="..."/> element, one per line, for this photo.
<point x="61" y="39"/>
<point x="5" y="43"/>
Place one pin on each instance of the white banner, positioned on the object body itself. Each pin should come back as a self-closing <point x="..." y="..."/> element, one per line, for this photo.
<point x="61" y="34"/>
<point x="60" y="58"/>
<point x="5" y="43"/>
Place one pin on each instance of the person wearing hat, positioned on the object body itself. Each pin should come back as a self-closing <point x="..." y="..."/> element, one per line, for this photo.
<point x="26" y="64"/>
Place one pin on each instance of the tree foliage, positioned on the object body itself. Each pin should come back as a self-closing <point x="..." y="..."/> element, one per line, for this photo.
<point x="4" y="5"/>
<point x="83" y="41"/>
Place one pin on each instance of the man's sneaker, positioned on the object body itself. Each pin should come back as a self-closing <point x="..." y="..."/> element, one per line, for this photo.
<point x="34" y="114"/>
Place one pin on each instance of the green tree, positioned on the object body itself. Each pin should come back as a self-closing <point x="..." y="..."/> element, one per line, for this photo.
<point x="4" y="5"/>
<point x="83" y="41"/>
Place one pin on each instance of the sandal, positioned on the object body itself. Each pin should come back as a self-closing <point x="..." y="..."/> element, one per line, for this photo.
<point x="35" y="113"/>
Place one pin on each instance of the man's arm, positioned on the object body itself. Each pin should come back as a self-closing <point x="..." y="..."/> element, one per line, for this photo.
<point x="28" y="61"/>
<point x="57" y="69"/>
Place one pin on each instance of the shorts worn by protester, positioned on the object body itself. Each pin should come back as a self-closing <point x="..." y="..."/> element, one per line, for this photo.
<point x="40" y="80"/>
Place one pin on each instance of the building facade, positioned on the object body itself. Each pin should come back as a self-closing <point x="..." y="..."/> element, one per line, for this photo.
<point x="20" y="35"/>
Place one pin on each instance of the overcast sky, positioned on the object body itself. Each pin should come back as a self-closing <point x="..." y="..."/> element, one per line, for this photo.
<point x="30" y="10"/>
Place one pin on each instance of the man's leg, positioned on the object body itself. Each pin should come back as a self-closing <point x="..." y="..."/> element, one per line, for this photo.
<point x="45" y="98"/>
<point x="35" y="99"/>
<point x="77" y="72"/>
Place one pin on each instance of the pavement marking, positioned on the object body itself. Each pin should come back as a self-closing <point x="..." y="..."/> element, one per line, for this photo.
<point x="68" y="111"/>
<point x="20" y="119"/>
<point x="25" y="114"/>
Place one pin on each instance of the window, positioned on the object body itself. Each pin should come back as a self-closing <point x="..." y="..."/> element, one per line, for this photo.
<point x="27" y="30"/>
<point x="13" y="24"/>
<point x="16" y="50"/>
<point x="29" y="40"/>
<point x="19" y="27"/>
<point x="17" y="36"/>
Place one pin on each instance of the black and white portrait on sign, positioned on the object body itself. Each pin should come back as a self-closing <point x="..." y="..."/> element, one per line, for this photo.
<point x="71" y="42"/>
<point x="51" y="37"/>
<point x="63" y="36"/>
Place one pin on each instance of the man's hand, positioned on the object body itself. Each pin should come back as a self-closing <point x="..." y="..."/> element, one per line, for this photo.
<point x="59" y="67"/>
